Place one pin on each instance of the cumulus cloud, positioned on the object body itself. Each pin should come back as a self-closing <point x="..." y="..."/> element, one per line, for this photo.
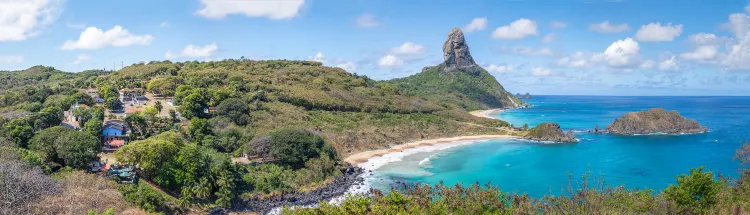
<point x="701" y="53"/>
<point x="218" y="9"/>
<point x="576" y="60"/>
<point x="607" y="27"/>
<point x="541" y="72"/>
<point x="11" y="59"/>
<point x="548" y="38"/>
<point x="367" y="21"/>
<point x="518" y="29"/>
<point x="558" y="24"/>
<point x="193" y="51"/>
<point x="621" y="53"/>
<point x="502" y="68"/>
<point x="21" y="19"/>
<point x="319" y="57"/>
<point x="670" y="64"/>
<point x="81" y="58"/>
<point x="707" y="39"/>
<point x="348" y="66"/>
<point x="656" y="32"/>
<point x="390" y="61"/>
<point x="476" y="24"/>
<point x="95" y="38"/>
<point x="737" y="56"/>
<point x="408" y="48"/>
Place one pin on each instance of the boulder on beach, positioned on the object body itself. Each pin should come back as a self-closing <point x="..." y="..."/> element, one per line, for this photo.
<point x="654" y="121"/>
<point x="550" y="132"/>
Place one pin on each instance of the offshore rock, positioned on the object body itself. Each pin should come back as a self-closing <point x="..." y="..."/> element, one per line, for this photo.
<point x="654" y="121"/>
<point x="550" y="132"/>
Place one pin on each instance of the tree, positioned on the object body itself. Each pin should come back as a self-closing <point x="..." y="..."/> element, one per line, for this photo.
<point x="113" y="103"/>
<point x="138" y="126"/>
<point x="94" y="127"/>
<point x="21" y="135"/>
<point x="22" y="185"/>
<point x="150" y="113"/>
<point x="199" y="128"/>
<point x="76" y="149"/>
<point x="82" y="98"/>
<point x="158" y="106"/>
<point x="83" y="115"/>
<point x="164" y="85"/>
<point x="295" y="146"/>
<point x="695" y="192"/>
<point x="525" y="127"/>
<point x="195" y="104"/>
<point x="235" y="109"/>
<point x="173" y="115"/>
<point x="43" y="143"/>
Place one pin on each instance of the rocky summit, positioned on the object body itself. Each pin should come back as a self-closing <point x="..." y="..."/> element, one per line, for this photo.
<point x="550" y="132"/>
<point x="654" y="121"/>
<point x="456" y="51"/>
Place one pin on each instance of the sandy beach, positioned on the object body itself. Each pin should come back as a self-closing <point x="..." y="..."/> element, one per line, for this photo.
<point x="486" y="113"/>
<point x="362" y="157"/>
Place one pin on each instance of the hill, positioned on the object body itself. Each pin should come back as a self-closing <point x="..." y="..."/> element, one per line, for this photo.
<point x="458" y="82"/>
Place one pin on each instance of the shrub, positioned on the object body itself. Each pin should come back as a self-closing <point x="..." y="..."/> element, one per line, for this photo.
<point x="695" y="192"/>
<point x="294" y="147"/>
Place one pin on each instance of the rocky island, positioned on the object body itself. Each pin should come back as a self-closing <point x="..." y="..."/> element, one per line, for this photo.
<point x="526" y="96"/>
<point x="549" y="131"/>
<point x="654" y="121"/>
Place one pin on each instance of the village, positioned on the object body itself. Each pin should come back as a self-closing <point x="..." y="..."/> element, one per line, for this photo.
<point x="115" y="132"/>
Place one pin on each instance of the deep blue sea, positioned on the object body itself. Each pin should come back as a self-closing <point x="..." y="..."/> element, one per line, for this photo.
<point x="650" y="161"/>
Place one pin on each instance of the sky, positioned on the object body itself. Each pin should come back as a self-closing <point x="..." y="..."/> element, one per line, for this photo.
<point x="560" y="47"/>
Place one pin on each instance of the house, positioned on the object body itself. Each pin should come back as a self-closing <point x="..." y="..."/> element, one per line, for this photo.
<point x="131" y="94"/>
<point x="114" y="135"/>
<point x="70" y="120"/>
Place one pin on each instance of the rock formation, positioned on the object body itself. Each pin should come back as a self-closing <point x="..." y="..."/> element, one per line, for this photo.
<point x="456" y="51"/>
<point x="550" y="132"/>
<point x="656" y="120"/>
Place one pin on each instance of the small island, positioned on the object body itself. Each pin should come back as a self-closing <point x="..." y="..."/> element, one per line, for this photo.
<point x="550" y="132"/>
<point x="654" y="121"/>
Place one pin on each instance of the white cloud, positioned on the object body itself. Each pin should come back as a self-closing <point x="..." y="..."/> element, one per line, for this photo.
<point x="739" y="24"/>
<point x="367" y="20"/>
<point x="348" y="66"/>
<point x="576" y="60"/>
<point x="516" y="30"/>
<point x="164" y="24"/>
<point x="647" y="64"/>
<point x="81" y="58"/>
<point x="541" y="72"/>
<point x="390" y="61"/>
<point x="706" y="39"/>
<point x="747" y="8"/>
<point x="21" y="19"/>
<point x="701" y="53"/>
<point x="655" y="32"/>
<point x="476" y="24"/>
<point x="193" y="51"/>
<point x="319" y="57"/>
<point x="548" y="38"/>
<point x="670" y="64"/>
<point x="10" y="59"/>
<point x="528" y="51"/>
<point x="622" y="53"/>
<point x="95" y="38"/>
<point x="277" y="9"/>
<point x="502" y="68"/>
<point x="558" y="24"/>
<point x="607" y="27"/>
<point x="408" y="48"/>
<point x="738" y="55"/>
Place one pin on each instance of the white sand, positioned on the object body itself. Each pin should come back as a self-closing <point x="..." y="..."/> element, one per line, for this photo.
<point x="486" y="113"/>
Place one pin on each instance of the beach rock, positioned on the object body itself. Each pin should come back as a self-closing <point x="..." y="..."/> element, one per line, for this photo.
<point x="550" y="132"/>
<point x="653" y="121"/>
<point x="338" y="187"/>
<point x="456" y="51"/>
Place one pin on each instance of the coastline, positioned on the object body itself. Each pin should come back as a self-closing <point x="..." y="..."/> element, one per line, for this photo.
<point x="362" y="157"/>
<point x="486" y="113"/>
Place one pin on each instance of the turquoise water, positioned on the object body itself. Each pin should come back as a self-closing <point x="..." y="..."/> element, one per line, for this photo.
<point x="634" y="161"/>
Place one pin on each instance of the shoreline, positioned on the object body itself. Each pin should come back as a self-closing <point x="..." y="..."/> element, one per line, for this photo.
<point x="486" y="113"/>
<point x="363" y="157"/>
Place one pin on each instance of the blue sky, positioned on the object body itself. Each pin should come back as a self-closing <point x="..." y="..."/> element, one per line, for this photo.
<point x="589" y="47"/>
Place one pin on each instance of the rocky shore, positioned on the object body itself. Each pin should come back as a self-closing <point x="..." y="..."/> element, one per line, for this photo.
<point x="550" y="132"/>
<point x="653" y="121"/>
<point x="351" y="176"/>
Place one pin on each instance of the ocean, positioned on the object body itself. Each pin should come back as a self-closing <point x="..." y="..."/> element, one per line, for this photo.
<point x="637" y="162"/>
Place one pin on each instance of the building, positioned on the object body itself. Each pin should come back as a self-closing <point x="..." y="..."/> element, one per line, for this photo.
<point x="130" y="95"/>
<point x="114" y="135"/>
<point x="70" y="120"/>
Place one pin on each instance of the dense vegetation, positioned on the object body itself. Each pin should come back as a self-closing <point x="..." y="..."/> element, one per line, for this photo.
<point x="469" y="88"/>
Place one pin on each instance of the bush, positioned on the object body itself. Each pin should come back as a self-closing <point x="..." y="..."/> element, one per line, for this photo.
<point x="143" y="196"/>
<point x="695" y="192"/>
<point x="294" y="147"/>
